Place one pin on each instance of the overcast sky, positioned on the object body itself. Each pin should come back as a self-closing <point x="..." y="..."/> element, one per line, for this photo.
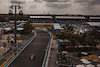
<point x="55" y="6"/>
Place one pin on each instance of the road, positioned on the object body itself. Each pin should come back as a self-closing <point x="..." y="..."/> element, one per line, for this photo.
<point x="36" y="47"/>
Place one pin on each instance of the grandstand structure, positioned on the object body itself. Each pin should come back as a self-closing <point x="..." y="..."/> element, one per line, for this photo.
<point x="61" y="18"/>
<point x="65" y="19"/>
<point x="70" y="15"/>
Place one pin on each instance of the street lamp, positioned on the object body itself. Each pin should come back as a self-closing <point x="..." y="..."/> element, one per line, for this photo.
<point x="16" y="5"/>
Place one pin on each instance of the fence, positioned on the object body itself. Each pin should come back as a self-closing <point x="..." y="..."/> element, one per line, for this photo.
<point x="16" y="49"/>
<point x="47" y="52"/>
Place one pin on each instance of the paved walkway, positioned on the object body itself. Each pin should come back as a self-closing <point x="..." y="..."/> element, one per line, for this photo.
<point x="8" y="44"/>
<point x="2" y="49"/>
<point x="52" y="61"/>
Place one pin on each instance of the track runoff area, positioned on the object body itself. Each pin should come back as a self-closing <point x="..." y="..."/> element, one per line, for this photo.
<point x="36" y="47"/>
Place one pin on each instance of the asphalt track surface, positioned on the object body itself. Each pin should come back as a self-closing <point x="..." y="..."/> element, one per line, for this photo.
<point x="36" y="47"/>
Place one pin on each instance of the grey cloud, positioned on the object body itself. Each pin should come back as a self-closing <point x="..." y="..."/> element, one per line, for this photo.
<point x="38" y="0"/>
<point x="56" y="0"/>
<point x="58" y="6"/>
<point x="95" y="2"/>
<point x="13" y="0"/>
<point x="88" y="6"/>
<point x="85" y="4"/>
<point x="33" y="6"/>
<point x="81" y="1"/>
<point x="89" y="2"/>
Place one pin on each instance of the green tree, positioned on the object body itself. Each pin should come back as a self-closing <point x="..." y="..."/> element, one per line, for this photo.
<point x="92" y="43"/>
<point x="77" y="38"/>
<point x="63" y="35"/>
<point x="28" y="27"/>
<point x="70" y="28"/>
<point x="73" y="43"/>
<point x="63" y="46"/>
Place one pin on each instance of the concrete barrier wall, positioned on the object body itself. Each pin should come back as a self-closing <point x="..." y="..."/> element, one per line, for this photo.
<point x="47" y="61"/>
<point x="13" y="57"/>
<point x="46" y="58"/>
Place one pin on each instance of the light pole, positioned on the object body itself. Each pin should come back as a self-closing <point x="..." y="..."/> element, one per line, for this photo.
<point x="15" y="27"/>
<point x="17" y="4"/>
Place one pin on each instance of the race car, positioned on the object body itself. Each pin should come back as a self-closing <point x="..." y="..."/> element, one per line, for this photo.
<point x="32" y="56"/>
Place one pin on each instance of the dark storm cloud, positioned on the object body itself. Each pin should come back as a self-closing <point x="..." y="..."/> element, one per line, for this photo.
<point x="81" y="1"/>
<point x="95" y="2"/>
<point x="89" y="2"/>
<point x="38" y="0"/>
<point x="58" y="6"/>
<point x="56" y="0"/>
